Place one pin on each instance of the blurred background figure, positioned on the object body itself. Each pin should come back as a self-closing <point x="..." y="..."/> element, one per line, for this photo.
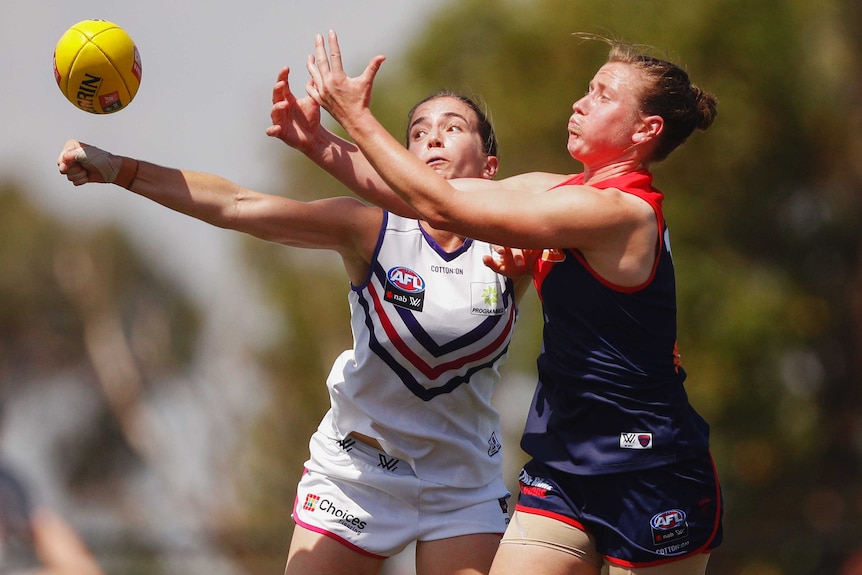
<point x="37" y="541"/>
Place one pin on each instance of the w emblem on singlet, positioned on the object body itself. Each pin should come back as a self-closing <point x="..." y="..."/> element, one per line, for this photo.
<point x="389" y="463"/>
<point x="636" y="440"/>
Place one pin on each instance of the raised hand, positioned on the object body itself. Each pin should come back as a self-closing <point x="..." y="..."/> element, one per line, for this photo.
<point x="342" y="96"/>
<point x="296" y="122"/>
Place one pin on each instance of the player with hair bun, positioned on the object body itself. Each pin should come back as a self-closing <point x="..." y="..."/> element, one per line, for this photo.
<point x="620" y="475"/>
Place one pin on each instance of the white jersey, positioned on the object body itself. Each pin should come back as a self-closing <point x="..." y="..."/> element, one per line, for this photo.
<point x="430" y="331"/>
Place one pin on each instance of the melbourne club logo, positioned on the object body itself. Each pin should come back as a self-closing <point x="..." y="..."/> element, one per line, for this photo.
<point x="634" y="440"/>
<point x="405" y="288"/>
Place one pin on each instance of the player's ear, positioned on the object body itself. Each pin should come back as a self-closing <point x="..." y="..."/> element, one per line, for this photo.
<point x="490" y="168"/>
<point x="650" y="128"/>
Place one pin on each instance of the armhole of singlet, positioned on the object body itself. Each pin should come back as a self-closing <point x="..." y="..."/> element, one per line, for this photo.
<point x="373" y="263"/>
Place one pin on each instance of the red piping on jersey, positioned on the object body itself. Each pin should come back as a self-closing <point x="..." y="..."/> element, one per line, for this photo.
<point x="428" y="371"/>
<point x="652" y="198"/>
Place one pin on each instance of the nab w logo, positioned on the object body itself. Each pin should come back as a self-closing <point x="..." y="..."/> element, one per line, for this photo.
<point x="388" y="463"/>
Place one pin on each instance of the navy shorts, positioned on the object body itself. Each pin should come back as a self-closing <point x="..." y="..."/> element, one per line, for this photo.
<point x="638" y="518"/>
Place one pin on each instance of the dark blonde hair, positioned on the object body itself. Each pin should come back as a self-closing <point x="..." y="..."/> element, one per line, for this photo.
<point x="668" y="92"/>
<point x="484" y="126"/>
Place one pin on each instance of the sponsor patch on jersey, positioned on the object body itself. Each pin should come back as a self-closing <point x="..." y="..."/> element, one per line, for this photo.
<point x="670" y="532"/>
<point x="405" y="288"/>
<point x="636" y="440"/>
<point x="504" y="507"/>
<point x="327" y="507"/>
<point x="486" y="299"/>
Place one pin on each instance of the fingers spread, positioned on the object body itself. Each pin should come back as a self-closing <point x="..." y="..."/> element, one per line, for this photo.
<point x="334" y="53"/>
<point x="321" y="62"/>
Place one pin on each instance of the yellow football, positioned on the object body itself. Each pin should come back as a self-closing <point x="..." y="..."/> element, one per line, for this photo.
<point x="97" y="66"/>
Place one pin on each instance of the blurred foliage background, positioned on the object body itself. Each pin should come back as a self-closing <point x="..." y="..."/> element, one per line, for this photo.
<point x="764" y="210"/>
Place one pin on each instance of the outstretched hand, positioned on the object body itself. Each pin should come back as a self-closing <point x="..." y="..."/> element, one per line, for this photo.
<point x="296" y="122"/>
<point x="82" y="163"/>
<point x="342" y="96"/>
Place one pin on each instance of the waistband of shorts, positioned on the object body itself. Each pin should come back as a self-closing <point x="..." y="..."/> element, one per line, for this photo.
<point x="370" y="455"/>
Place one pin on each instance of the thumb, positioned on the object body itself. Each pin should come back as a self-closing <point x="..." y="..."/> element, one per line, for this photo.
<point x="106" y="163"/>
<point x="372" y="68"/>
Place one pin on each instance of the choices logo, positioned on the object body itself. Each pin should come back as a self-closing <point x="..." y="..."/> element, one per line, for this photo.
<point x="311" y="501"/>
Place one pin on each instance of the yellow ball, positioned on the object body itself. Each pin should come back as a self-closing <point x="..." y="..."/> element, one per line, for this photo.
<point x="97" y="66"/>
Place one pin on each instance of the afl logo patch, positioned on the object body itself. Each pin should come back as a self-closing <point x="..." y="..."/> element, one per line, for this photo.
<point x="405" y="280"/>
<point x="668" y="519"/>
<point x="405" y="288"/>
<point x="670" y="532"/>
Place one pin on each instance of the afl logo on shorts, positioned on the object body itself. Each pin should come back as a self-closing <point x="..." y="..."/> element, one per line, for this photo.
<point x="405" y="288"/>
<point x="670" y="532"/>
<point x="668" y="519"/>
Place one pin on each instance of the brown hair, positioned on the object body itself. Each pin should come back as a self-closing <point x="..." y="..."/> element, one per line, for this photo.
<point x="668" y="92"/>
<point x="485" y="128"/>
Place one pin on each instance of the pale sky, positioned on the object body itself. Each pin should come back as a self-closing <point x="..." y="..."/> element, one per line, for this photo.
<point x="204" y="102"/>
<point x="208" y="69"/>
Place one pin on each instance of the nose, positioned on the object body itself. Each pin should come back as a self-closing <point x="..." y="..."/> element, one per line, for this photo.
<point x="434" y="139"/>
<point x="579" y="105"/>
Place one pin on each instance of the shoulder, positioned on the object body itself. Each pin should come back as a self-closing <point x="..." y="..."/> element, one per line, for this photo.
<point x="535" y="181"/>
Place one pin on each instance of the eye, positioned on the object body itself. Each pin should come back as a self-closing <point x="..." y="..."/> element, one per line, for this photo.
<point x="418" y="134"/>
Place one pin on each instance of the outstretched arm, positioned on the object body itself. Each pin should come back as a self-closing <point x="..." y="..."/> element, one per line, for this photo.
<point x="296" y="122"/>
<point x="341" y="224"/>
<point x="437" y="200"/>
<point x="602" y="221"/>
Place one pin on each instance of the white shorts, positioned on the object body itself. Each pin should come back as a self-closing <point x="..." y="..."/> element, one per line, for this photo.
<point x="374" y="504"/>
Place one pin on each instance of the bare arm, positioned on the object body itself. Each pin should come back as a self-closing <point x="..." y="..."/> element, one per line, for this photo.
<point x="616" y="231"/>
<point x="341" y="224"/>
<point x="296" y="122"/>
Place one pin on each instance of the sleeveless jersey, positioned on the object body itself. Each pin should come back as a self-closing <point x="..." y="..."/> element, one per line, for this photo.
<point x="610" y="395"/>
<point x="430" y="330"/>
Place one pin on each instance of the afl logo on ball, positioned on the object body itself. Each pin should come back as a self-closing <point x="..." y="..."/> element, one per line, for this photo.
<point x="405" y="288"/>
